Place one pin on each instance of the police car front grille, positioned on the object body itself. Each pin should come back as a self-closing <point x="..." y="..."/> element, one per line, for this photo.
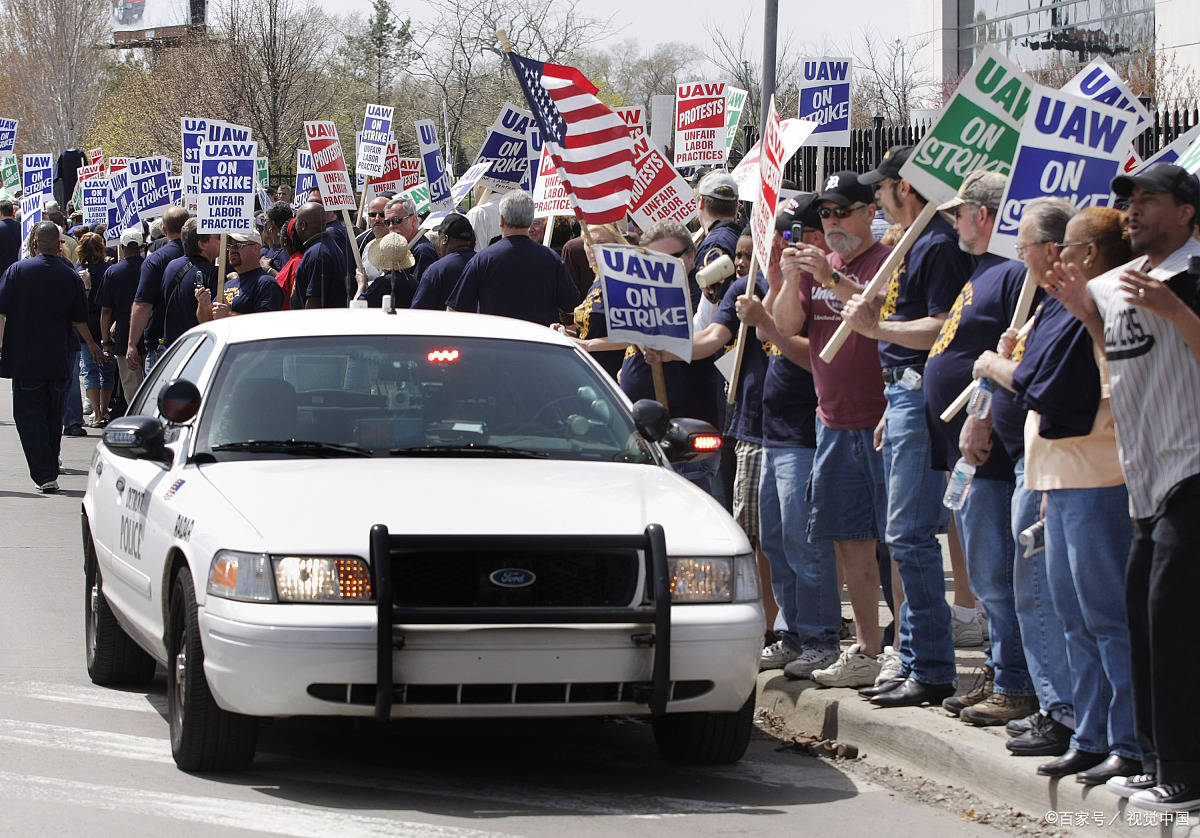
<point x="600" y="692"/>
<point x="557" y="578"/>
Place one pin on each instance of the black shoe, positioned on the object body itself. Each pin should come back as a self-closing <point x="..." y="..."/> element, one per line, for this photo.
<point x="1017" y="727"/>
<point x="1126" y="786"/>
<point x="1115" y="766"/>
<point x="879" y="689"/>
<point x="1072" y="762"/>
<point x="913" y="693"/>
<point x="1046" y="738"/>
<point x="74" y="430"/>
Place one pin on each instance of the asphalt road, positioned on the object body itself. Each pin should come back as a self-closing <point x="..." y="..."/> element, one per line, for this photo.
<point x="77" y="759"/>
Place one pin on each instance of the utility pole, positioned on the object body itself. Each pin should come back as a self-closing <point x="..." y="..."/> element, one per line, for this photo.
<point x="770" y="35"/>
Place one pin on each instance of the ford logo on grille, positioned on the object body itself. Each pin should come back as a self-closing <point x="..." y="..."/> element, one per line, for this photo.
<point x="512" y="577"/>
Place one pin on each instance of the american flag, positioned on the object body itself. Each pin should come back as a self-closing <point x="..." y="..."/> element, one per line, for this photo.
<point x="589" y="143"/>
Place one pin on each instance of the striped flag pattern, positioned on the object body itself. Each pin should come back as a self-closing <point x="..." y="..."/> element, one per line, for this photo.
<point x="589" y="143"/>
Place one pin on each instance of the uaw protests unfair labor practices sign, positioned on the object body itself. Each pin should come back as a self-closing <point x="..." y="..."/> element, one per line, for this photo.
<point x="10" y="176"/>
<point x="659" y="193"/>
<point x="549" y="195"/>
<point x="436" y="176"/>
<point x="124" y="197"/>
<point x="507" y="149"/>
<point x="150" y="178"/>
<point x="646" y="300"/>
<point x="700" y="124"/>
<point x="979" y="128"/>
<point x="371" y="159"/>
<point x="1070" y="148"/>
<point x="227" y="186"/>
<point x="825" y="99"/>
<point x="37" y="175"/>
<point x="333" y="180"/>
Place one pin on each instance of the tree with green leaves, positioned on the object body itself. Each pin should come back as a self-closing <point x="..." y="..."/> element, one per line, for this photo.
<point x="380" y="49"/>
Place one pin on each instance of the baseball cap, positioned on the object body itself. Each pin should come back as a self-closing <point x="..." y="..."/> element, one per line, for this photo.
<point x="719" y="185"/>
<point x="1161" y="177"/>
<point x="978" y="187"/>
<point x="456" y="226"/>
<point x="799" y="210"/>
<point x="889" y="166"/>
<point x="843" y="188"/>
<point x="250" y="235"/>
<point x="132" y="235"/>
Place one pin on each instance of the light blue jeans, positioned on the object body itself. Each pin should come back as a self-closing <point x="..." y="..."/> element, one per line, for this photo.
<point x="701" y="472"/>
<point x="1041" y="627"/>
<point x="915" y="508"/>
<point x="73" y="405"/>
<point x="803" y="575"/>
<point x="985" y="527"/>
<point x="1088" y="533"/>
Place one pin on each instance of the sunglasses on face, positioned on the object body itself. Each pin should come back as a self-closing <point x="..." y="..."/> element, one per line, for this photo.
<point x="374" y="215"/>
<point x="396" y="222"/>
<point x="839" y="212"/>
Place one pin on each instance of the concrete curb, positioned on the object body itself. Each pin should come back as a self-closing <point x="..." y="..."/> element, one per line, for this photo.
<point x="931" y="743"/>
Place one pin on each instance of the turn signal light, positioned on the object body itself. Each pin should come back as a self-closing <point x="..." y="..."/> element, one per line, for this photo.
<point x="442" y="356"/>
<point x="706" y="442"/>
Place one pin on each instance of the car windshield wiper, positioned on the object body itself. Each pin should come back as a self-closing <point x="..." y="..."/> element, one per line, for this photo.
<point x="296" y="446"/>
<point x="470" y="448"/>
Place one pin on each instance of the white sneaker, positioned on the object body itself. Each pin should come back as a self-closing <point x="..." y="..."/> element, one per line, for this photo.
<point x="808" y="660"/>
<point x="889" y="665"/>
<point x="49" y="487"/>
<point x="969" y="633"/>
<point x="776" y="656"/>
<point x="852" y="669"/>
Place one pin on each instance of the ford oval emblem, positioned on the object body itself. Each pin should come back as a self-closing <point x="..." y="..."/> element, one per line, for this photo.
<point x="512" y="577"/>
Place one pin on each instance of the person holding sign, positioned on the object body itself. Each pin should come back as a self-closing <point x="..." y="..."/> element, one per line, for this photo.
<point x="906" y="321"/>
<point x="187" y="278"/>
<point x="248" y="288"/>
<point x="145" y="339"/>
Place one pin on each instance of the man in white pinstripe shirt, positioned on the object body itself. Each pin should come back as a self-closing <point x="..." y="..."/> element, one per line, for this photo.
<point x="1146" y="314"/>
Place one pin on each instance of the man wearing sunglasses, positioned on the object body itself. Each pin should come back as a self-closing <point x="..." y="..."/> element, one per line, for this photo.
<point x="401" y="217"/>
<point x="248" y="289"/>
<point x="376" y="225"/>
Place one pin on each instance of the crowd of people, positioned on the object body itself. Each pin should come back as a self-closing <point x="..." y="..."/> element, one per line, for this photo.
<point x="1067" y="486"/>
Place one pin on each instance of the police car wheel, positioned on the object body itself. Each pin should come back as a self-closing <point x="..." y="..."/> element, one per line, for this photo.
<point x="203" y="736"/>
<point x="112" y="656"/>
<point x="705" y="738"/>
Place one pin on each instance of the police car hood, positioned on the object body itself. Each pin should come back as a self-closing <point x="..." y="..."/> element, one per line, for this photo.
<point x="323" y="505"/>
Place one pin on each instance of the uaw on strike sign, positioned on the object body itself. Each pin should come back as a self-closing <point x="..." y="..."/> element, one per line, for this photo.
<point x="700" y="124"/>
<point x="646" y="299"/>
<point x="337" y="190"/>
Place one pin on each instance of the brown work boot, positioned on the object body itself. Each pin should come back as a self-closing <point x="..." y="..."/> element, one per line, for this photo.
<point x="999" y="709"/>
<point x="981" y="690"/>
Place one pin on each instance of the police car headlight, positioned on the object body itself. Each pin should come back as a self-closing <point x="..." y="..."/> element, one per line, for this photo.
<point x="714" y="579"/>
<point x="242" y="576"/>
<point x="322" y="579"/>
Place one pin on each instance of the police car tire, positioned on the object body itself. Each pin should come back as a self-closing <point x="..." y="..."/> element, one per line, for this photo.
<point x="203" y="736"/>
<point x="113" y="659"/>
<point x="705" y="738"/>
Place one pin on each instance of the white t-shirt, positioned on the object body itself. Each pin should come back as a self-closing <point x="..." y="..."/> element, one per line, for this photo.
<point x="485" y="220"/>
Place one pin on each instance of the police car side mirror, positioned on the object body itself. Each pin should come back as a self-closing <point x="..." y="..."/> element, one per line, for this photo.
<point x="650" y="418"/>
<point x="179" y="401"/>
<point x="138" y="438"/>
<point x="690" y="439"/>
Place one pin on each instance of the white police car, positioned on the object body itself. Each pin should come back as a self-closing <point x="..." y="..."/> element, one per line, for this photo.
<point x="415" y="514"/>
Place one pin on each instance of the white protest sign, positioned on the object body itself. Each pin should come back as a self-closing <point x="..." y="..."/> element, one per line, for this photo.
<point x="150" y="177"/>
<point x="700" y="124"/>
<point x="116" y="164"/>
<point x="375" y="136"/>
<point x="436" y="175"/>
<point x="825" y="99"/>
<point x="191" y="133"/>
<point x="506" y="148"/>
<point x="390" y="181"/>
<point x="735" y="102"/>
<point x="458" y="194"/>
<point x="8" y="135"/>
<point x="31" y="213"/>
<point x="96" y="156"/>
<point x="746" y="174"/>
<point x="659" y="192"/>
<point x="549" y="194"/>
<point x="337" y="191"/>
<point x="112" y="228"/>
<point x="770" y="165"/>
<point x="95" y="170"/>
<point x="1069" y="148"/>
<point x="94" y="201"/>
<point x="646" y="298"/>
<point x="37" y="176"/>
<point x="1172" y="152"/>
<point x="227" y="186"/>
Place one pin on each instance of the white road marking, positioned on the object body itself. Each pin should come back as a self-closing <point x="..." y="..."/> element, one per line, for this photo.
<point x="98" y="697"/>
<point x="294" y="819"/>
<point x="99" y="742"/>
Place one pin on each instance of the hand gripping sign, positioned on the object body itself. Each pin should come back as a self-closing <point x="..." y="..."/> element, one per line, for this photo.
<point x="646" y="300"/>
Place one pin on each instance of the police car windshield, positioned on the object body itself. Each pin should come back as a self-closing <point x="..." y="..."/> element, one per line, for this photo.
<point x="397" y="396"/>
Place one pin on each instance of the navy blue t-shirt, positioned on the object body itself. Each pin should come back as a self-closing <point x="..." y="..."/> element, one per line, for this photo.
<point x="980" y="314"/>
<point x="1058" y="376"/>
<point x="722" y="237"/>
<point x="747" y="422"/>
<point x="10" y="242"/>
<point x="516" y="277"/>
<point x="425" y="253"/>
<point x="276" y="254"/>
<point x="41" y="297"/>
<point x="341" y="239"/>
<point x="399" y="284"/>
<point x="117" y="287"/>
<point x="438" y="281"/>
<point x="320" y="274"/>
<point x="180" y="280"/>
<point x="149" y="289"/>
<point x="789" y="404"/>
<point x="591" y="323"/>
<point x="252" y="291"/>
<point x="924" y="285"/>
<point x="1008" y="413"/>
<point x="694" y="391"/>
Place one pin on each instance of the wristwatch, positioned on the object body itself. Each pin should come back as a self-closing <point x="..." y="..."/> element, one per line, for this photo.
<point x="835" y="278"/>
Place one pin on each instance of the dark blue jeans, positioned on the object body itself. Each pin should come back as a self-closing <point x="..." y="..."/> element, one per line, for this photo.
<point x="37" y="412"/>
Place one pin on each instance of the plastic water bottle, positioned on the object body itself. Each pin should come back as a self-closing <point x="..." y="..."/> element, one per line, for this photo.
<point x="959" y="485"/>
<point x="980" y="404"/>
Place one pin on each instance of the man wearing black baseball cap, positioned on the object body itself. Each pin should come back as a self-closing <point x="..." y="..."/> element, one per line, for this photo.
<point x="1145" y="314"/>
<point x="906" y="322"/>
<point x="455" y="247"/>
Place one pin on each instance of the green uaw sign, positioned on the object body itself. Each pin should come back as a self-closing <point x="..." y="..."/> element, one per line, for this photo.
<point x="979" y="128"/>
<point x="419" y="195"/>
<point x="735" y="101"/>
<point x="10" y="176"/>
<point x="1190" y="160"/>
